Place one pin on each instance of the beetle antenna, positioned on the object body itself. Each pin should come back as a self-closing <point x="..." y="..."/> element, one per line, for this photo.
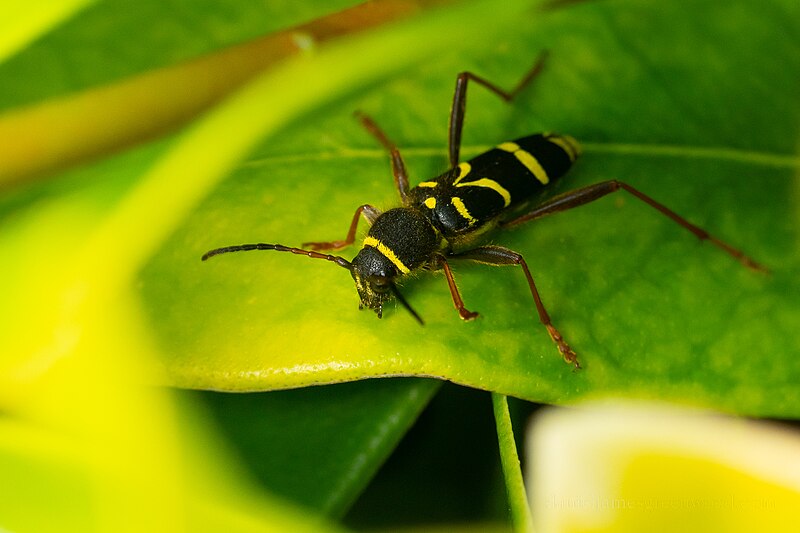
<point x="341" y="261"/>
<point x="403" y="301"/>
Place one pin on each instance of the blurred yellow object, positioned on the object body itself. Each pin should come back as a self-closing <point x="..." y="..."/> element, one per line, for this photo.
<point x="640" y="467"/>
<point x="22" y="22"/>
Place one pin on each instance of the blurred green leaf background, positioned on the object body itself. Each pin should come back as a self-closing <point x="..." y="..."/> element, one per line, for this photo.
<point x="694" y="103"/>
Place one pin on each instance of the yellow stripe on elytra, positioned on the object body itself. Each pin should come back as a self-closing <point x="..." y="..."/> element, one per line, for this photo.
<point x="508" y="147"/>
<point x="429" y="184"/>
<point x="490" y="184"/>
<point x="430" y="202"/>
<point x="566" y="143"/>
<point x="387" y="253"/>
<point x="463" y="170"/>
<point x="526" y="159"/>
<point x="458" y="203"/>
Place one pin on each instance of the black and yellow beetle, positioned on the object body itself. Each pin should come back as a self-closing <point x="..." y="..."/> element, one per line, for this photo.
<point x="447" y="217"/>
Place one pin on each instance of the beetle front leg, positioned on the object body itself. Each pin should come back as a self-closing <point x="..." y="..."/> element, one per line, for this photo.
<point x="370" y="214"/>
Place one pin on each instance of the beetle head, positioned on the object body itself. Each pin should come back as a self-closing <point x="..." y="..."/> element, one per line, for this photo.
<point x="375" y="277"/>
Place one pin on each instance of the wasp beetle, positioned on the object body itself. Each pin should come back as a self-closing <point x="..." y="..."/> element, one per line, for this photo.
<point x="446" y="219"/>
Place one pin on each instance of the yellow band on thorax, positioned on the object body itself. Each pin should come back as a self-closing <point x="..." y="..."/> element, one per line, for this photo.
<point x="387" y="253"/>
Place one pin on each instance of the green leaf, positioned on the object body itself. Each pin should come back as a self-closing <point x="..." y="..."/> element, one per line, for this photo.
<point x="659" y="99"/>
<point x="346" y="431"/>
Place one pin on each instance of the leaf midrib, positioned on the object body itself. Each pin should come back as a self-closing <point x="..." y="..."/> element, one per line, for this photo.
<point x="752" y="157"/>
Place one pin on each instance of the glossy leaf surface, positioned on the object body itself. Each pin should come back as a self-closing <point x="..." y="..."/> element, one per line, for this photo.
<point x="651" y="313"/>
